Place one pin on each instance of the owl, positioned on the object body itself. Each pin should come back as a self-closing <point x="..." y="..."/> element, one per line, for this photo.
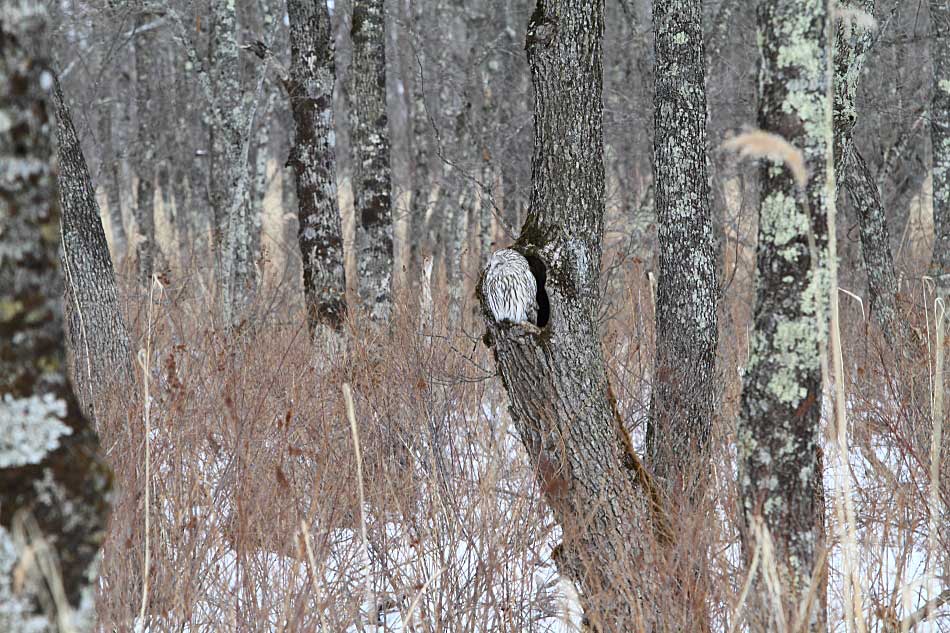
<point x="510" y="288"/>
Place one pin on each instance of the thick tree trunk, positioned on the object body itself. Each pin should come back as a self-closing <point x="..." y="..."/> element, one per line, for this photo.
<point x="96" y="331"/>
<point x="144" y="153"/>
<point x="940" y="141"/>
<point x="778" y="434"/>
<point x="371" y="170"/>
<point x="53" y="485"/>
<point x="556" y="377"/>
<point x="684" y="391"/>
<point x="313" y="157"/>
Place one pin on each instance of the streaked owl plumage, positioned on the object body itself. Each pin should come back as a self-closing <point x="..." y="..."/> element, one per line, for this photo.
<point x="509" y="287"/>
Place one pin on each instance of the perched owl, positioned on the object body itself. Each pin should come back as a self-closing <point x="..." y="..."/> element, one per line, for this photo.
<point x="509" y="287"/>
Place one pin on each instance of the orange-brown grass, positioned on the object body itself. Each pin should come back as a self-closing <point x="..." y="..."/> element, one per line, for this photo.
<point x="255" y="522"/>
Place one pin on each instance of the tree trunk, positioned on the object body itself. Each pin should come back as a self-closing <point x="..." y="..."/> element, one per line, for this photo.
<point x="940" y="141"/>
<point x="852" y="45"/>
<point x="684" y="390"/>
<point x="144" y="153"/>
<point x="227" y="169"/>
<point x="110" y="170"/>
<point x="313" y="157"/>
<point x="53" y="485"/>
<point x="96" y="331"/>
<point x="778" y="434"/>
<point x="371" y="170"/>
<point x="419" y="220"/>
<point x="556" y="377"/>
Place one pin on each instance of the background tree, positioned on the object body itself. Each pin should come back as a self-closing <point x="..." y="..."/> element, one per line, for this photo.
<point x="852" y="46"/>
<point x="310" y="88"/>
<point x="145" y="144"/>
<point x="684" y="393"/>
<point x="556" y="377"/>
<point x="778" y="435"/>
<point x="53" y="486"/>
<point x="372" y="173"/>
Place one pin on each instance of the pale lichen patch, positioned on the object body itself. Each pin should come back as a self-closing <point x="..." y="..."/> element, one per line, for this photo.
<point x="30" y="428"/>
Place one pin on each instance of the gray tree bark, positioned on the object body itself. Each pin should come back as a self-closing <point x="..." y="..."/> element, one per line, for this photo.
<point x="113" y="183"/>
<point x="684" y="390"/>
<point x="419" y="219"/>
<point x="228" y="173"/>
<point x="852" y="45"/>
<point x="53" y="484"/>
<point x="144" y="153"/>
<point x="313" y="157"/>
<point x="556" y="377"/>
<point x="940" y="141"/>
<point x="372" y="174"/>
<point x="778" y="434"/>
<point x="96" y="331"/>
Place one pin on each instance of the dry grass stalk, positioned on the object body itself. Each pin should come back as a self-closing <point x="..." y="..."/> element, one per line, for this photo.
<point x="757" y="144"/>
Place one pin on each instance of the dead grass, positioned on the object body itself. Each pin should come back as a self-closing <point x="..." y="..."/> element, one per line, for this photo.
<point x="255" y="522"/>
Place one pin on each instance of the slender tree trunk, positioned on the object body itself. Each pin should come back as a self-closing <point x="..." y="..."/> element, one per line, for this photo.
<point x="53" y="485"/>
<point x="228" y="173"/>
<point x="371" y="170"/>
<point x="144" y="153"/>
<point x="940" y="141"/>
<point x="96" y="331"/>
<point x="313" y="157"/>
<point x="852" y="46"/>
<point x="778" y="434"/>
<point x="419" y="220"/>
<point x="684" y="390"/>
<point x="556" y="378"/>
<point x="110" y="170"/>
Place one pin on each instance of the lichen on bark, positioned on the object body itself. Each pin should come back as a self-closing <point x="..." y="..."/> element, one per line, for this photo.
<point x="778" y="432"/>
<point x="53" y="484"/>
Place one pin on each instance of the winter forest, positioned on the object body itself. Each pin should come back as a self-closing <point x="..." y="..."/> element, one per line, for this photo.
<point x="474" y="316"/>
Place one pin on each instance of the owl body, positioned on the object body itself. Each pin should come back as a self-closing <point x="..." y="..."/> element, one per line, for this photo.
<point x="510" y="288"/>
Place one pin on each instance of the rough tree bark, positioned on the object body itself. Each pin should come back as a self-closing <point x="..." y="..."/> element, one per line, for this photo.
<point x="96" y="332"/>
<point x="371" y="170"/>
<point x="420" y="139"/>
<point x="310" y="86"/>
<point x="556" y="377"/>
<point x="940" y="141"/>
<point x="227" y="168"/>
<point x="684" y="391"/>
<point x="53" y="485"/>
<point x="778" y="433"/>
<point x="144" y="152"/>
<point x="852" y="44"/>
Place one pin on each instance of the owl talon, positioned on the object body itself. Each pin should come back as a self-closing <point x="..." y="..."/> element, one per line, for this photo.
<point x="528" y="327"/>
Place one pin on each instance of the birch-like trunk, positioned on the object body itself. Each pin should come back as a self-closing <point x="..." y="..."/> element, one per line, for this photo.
<point x="96" y="331"/>
<point x="144" y="152"/>
<point x="227" y="170"/>
<point x="372" y="174"/>
<point x="53" y="485"/>
<point x="684" y="390"/>
<point x="313" y="157"/>
<point x="778" y="435"/>
<point x="556" y="378"/>
<point x="940" y="142"/>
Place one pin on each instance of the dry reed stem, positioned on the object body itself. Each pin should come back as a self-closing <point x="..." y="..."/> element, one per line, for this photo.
<point x="351" y="415"/>
<point x="936" y="444"/>
<point x="755" y="144"/>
